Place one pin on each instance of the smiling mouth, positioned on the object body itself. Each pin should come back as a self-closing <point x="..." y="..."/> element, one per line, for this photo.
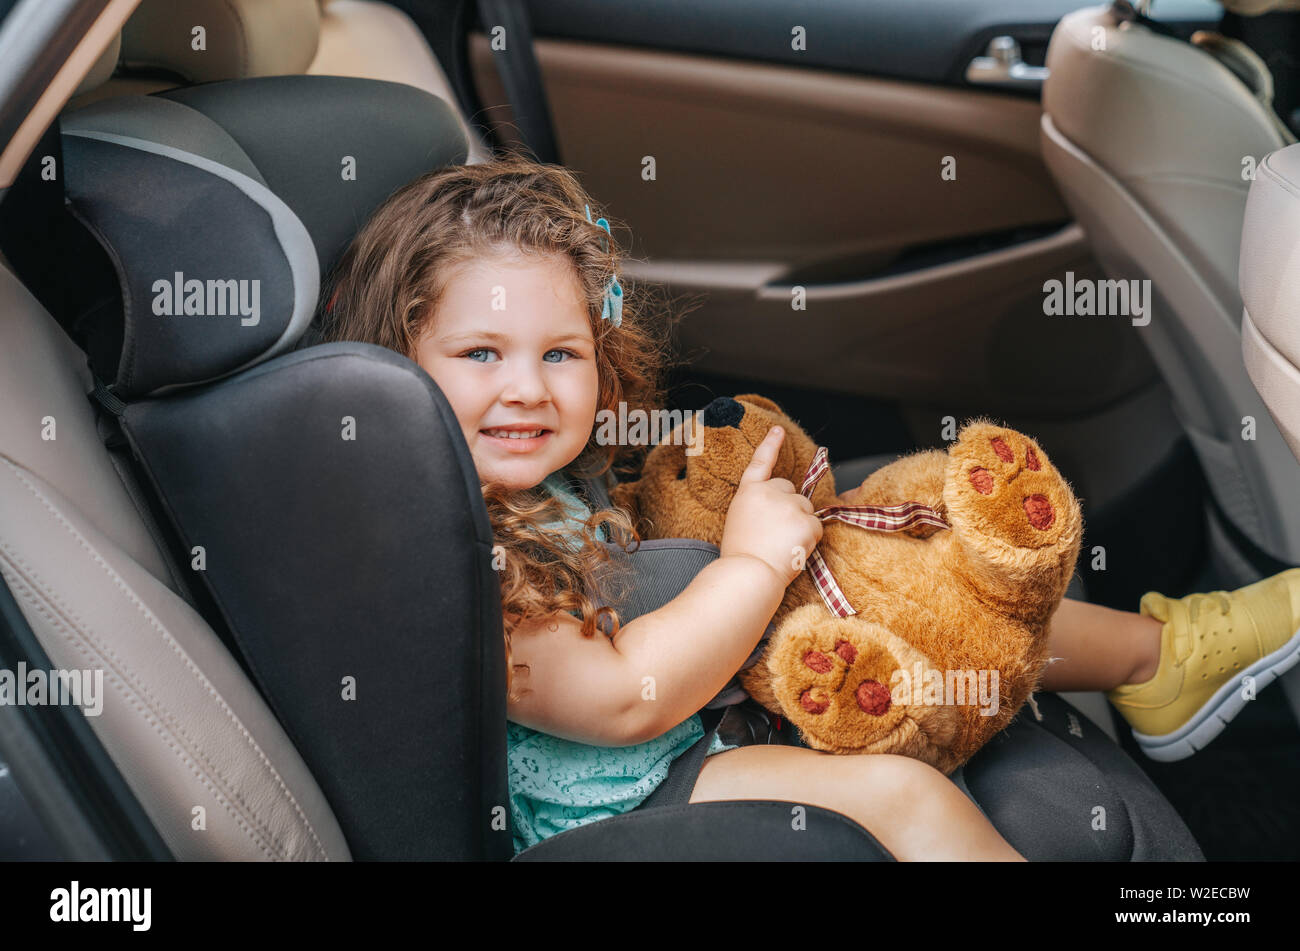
<point x="514" y="433"/>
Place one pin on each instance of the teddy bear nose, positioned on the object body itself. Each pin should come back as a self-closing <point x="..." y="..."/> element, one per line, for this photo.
<point x="724" y="411"/>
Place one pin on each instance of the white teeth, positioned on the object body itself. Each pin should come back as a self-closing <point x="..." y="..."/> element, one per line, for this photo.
<point x="513" y="434"/>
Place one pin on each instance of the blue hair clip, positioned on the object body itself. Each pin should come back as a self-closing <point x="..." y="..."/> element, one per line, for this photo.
<point x="613" y="309"/>
<point x="613" y="304"/>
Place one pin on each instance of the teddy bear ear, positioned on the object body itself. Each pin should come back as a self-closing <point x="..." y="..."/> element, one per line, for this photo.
<point x="760" y="401"/>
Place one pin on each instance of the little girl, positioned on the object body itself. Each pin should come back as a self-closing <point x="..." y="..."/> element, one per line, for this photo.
<point x="494" y="279"/>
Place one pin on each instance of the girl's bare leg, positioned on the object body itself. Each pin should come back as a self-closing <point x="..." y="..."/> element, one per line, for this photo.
<point x="1100" y="648"/>
<point x="911" y="808"/>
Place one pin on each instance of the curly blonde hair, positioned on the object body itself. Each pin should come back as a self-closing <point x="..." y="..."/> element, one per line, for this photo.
<point x="387" y="287"/>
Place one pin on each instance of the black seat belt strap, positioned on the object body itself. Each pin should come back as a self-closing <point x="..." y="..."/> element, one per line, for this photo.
<point x="105" y="397"/>
<point x="517" y="65"/>
<point x="678" y="785"/>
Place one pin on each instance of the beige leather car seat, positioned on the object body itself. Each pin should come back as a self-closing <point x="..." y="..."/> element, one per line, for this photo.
<point x="1270" y="290"/>
<point x="1152" y="140"/>
<point x="198" y="746"/>
<point x="242" y="38"/>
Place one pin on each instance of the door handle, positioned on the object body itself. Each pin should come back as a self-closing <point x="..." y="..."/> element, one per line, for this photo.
<point x="1002" y="66"/>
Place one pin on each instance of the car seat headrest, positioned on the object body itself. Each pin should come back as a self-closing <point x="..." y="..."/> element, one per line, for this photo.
<point x="207" y="40"/>
<point x="216" y="272"/>
<point x="103" y="68"/>
<point x="220" y="207"/>
<point x="1244" y="63"/>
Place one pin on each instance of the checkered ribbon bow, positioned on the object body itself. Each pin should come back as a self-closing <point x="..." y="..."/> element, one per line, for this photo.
<point x="877" y="518"/>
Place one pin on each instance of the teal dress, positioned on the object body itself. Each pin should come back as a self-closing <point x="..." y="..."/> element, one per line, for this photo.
<point x="558" y="784"/>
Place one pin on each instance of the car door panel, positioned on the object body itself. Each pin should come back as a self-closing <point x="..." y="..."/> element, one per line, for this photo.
<point x="767" y="177"/>
<point x="924" y="40"/>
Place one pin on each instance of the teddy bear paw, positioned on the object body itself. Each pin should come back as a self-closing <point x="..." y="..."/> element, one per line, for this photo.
<point x="837" y="681"/>
<point x="1001" y="485"/>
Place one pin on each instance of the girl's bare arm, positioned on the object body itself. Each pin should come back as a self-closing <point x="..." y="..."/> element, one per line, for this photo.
<point x="667" y="664"/>
<point x="659" y="669"/>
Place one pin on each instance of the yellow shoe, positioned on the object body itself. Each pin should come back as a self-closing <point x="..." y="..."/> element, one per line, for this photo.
<point x="1209" y="646"/>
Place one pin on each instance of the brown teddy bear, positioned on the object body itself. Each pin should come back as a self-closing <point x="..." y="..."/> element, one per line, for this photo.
<point x="946" y="633"/>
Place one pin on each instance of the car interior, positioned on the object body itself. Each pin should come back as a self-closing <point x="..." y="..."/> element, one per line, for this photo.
<point x="177" y="509"/>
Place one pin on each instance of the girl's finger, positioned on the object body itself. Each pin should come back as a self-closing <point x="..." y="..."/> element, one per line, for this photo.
<point x="760" y="466"/>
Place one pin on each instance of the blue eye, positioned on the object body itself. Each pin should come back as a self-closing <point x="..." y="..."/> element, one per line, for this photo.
<point x="474" y="354"/>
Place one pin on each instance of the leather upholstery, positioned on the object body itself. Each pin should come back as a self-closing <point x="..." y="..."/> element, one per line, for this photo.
<point x="180" y="720"/>
<point x="364" y="39"/>
<point x="242" y="38"/>
<point x="1270" y="289"/>
<point x="103" y="68"/>
<point x="1151" y="140"/>
<point x="1169" y="123"/>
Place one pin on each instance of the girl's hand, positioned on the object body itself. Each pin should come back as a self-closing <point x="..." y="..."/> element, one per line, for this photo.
<point x="768" y="519"/>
